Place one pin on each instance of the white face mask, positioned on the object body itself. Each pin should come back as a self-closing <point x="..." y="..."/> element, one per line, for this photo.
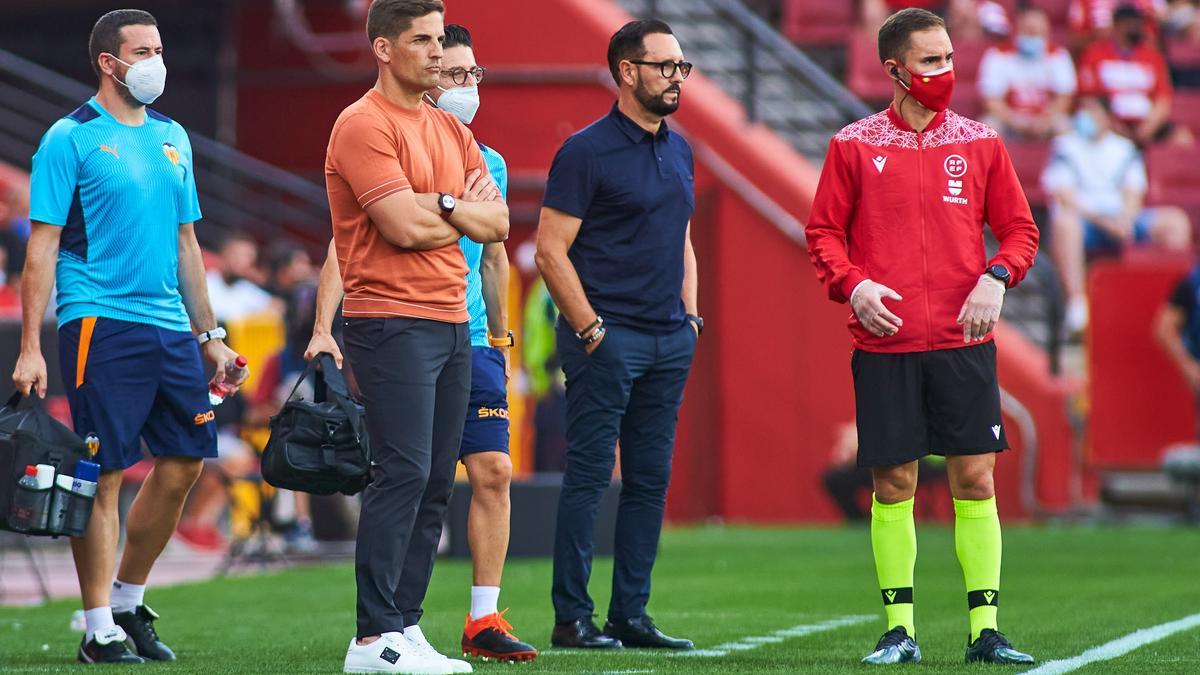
<point x="145" y="79"/>
<point x="462" y="102"/>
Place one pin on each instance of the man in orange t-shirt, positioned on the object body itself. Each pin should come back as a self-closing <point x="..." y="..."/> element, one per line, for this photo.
<point x="393" y="168"/>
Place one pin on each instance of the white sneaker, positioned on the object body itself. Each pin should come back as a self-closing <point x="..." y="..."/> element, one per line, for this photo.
<point x="391" y="653"/>
<point x="421" y="646"/>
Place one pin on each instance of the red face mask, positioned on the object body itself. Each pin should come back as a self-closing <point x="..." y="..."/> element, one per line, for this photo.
<point x="932" y="89"/>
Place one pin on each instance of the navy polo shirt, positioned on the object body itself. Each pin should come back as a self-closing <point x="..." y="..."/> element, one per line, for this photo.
<point x="634" y="192"/>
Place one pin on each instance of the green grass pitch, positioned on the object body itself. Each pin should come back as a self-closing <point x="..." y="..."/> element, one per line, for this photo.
<point x="1065" y="589"/>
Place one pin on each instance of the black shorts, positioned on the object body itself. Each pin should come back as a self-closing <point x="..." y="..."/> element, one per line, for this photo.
<point x="944" y="402"/>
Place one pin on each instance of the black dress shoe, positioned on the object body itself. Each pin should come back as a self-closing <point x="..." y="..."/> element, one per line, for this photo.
<point x="583" y="634"/>
<point x="641" y="632"/>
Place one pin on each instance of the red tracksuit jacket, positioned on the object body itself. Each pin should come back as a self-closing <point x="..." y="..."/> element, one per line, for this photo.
<point x="907" y="210"/>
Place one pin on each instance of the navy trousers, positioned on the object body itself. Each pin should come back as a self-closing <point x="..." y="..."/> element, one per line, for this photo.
<point x="628" y="389"/>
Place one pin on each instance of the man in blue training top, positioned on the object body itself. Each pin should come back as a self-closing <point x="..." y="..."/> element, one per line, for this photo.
<point x="484" y="449"/>
<point x="113" y="205"/>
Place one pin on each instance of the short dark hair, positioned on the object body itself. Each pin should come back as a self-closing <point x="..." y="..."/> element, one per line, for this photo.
<point x="629" y="43"/>
<point x="389" y="18"/>
<point x="457" y="36"/>
<point x="106" y="34"/>
<point x="280" y="254"/>
<point x="895" y="33"/>
<point x="1128" y="10"/>
<point x="236" y="236"/>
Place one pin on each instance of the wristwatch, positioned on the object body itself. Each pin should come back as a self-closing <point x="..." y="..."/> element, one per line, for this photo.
<point x="217" y="333"/>
<point x="698" y="322"/>
<point x="447" y="202"/>
<point x="1000" y="273"/>
<point x="506" y="341"/>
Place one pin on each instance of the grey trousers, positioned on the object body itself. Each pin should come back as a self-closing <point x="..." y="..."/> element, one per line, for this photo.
<point x="415" y="378"/>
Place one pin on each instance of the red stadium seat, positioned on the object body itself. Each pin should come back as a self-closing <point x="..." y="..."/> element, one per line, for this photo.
<point x="1174" y="179"/>
<point x="1183" y="54"/>
<point x="1029" y="159"/>
<point x="818" y="22"/>
<point x="864" y="76"/>
<point x="1057" y="10"/>
<point x="1185" y="109"/>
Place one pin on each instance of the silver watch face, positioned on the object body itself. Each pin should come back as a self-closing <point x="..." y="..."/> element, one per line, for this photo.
<point x="448" y="202"/>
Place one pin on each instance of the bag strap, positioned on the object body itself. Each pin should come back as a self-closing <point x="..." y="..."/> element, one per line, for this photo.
<point x="309" y="371"/>
<point x="336" y="384"/>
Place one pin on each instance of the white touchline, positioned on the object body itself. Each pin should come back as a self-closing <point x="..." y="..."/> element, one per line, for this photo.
<point x="756" y="641"/>
<point x="747" y="643"/>
<point x="1118" y="647"/>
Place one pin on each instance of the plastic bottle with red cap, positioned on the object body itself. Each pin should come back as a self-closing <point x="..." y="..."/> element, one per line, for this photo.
<point x="235" y="371"/>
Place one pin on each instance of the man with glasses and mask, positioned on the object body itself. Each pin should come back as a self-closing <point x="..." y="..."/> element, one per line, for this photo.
<point x="898" y="216"/>
<point x="614" y="246"/>
<point x="113" y="205"/>
<point x="484" y="448"/>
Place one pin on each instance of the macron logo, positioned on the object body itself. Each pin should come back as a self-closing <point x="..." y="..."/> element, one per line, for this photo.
<point x="996" y="431"/>
<point x="879" y="161"/>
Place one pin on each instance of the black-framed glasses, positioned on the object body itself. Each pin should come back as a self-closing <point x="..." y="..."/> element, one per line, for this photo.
<point x="668" y="68"/>
<point x="459" y="75"/>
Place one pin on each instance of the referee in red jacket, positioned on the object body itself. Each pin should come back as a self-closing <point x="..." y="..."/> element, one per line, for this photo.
<point x="896" y="230"/>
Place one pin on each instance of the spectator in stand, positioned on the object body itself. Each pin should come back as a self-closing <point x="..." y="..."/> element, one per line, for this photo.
<point x="292" y="280"/>
<point x="961" y="16"/>
<point x="1027" y="85"/>
<point x="1182" y="20"/>
<point x="1092" y="20"/>
<point x="1178" y="329"/>
<point x="231" y="286"/>
<point x="1130" y="72"/>
<point x="1097" y="183"/>
<point x="10" y="294"/>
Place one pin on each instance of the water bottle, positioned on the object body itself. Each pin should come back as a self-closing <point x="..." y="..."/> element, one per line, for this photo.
<point x="29" y="504"/>
<point x="234" y="371"/>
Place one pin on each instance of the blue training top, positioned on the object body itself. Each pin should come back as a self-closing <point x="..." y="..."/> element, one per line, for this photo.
<point x="120" y="194"/>
<point x="473" y="252"/>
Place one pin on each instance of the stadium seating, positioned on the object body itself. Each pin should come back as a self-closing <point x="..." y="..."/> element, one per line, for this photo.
<point x="818" y="22"/>
<point x="1174" y="179"/>
<point x="1029" y="159"/>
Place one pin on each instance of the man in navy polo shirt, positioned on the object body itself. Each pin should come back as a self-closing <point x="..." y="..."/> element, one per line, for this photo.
<point x="614" y="246"/>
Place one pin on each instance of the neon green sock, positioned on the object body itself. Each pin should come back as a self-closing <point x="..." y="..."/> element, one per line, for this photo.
<point x="894" y="542"/>
<point x="977" y="542"/>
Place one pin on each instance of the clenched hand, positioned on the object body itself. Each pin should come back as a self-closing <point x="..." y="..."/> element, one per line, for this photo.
<point x="981" y="311"/>
<point x="867" y="303"/>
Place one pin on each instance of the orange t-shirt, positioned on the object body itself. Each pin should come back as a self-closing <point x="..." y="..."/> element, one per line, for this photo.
<point x="377" y="149"/>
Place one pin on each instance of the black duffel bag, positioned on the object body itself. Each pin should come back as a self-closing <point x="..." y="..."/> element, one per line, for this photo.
<point x="319" y="446"/>
<point x="30" y="436"/>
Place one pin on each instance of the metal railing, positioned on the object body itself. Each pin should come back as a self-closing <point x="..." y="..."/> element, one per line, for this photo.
<point x="237" y="191"/>
<point x="775" y="81"/>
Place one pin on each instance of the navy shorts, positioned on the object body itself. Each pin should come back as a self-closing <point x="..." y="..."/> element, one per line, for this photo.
<point x="132" y="381"/>
<point x="486" y="429"/>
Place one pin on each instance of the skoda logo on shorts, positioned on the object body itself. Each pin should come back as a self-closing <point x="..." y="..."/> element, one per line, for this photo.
<point x="955" y="166"/>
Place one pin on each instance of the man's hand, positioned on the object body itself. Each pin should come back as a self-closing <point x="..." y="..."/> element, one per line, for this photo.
<point x="219" y="354"/>
<point x="1191" y="372"/>
<point x="1119" y="226"/>
<point x="323" y="342"/>
<point x="504" y="351"/>
<point x="867" y="303"/>
<point x="592" y="347"/>
<point x="30" y="374"/>
<point x="480" y="188"/>
<point x="981" y="311"/>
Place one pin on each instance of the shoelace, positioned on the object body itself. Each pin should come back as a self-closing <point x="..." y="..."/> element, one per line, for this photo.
<point x="146" y="627"/>
<point x="423" y="648"/>
<point x="498" y="622"/>
<point x="892" y="638"/>
<point x="993" y="639"/>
